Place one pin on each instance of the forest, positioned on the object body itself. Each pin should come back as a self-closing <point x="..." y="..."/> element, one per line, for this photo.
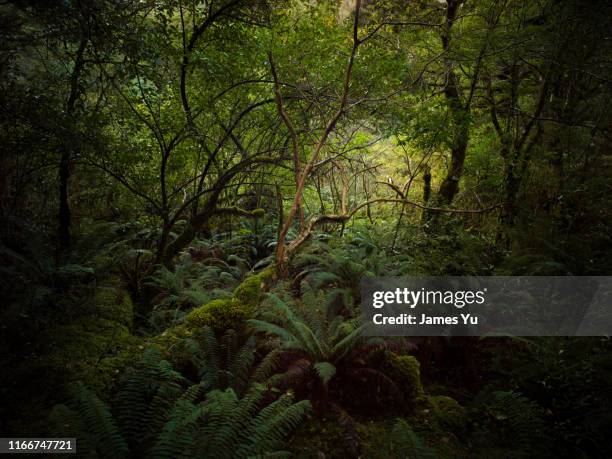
<point x="192" y="192"/>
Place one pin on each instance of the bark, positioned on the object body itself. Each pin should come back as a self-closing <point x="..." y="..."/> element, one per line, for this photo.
<point x="197" y="224"/>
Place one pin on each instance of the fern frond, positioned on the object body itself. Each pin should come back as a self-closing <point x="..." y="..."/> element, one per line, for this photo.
<point x="273" y="329"/>
<point x="268" y="366"/>
<point x="325" y="370"/>
<point x="345" y="345"/>
<point x="404" y="443"/>
<point x="297" y="371"/>
<point x="268" y="430"/>
<point x="240" y="368"/>
<point x="99" y="421"/>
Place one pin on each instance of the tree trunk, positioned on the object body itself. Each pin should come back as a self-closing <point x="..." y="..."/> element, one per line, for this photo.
<point x="426" y="192"/>
<point x="459" y="113"/>
<point x="450" y="184"/>
<point x="63" y="231"/>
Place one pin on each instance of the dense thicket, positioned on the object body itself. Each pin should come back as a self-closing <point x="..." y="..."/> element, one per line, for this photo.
<point x="196" y="188"/>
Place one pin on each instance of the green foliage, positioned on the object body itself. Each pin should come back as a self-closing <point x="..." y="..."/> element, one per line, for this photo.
<point x="160" y="416"/>
<point x="147" y="170"/>
<point x="249" y="292"/>
<point x="327" y="342"/>
<point x="514" y="425"/>
<point x="569" y="378"/>
<point x="322" y="266"/>
<point x="325" y="370"/>
<point x="146" y="395"/>
<point x="189" y="284"/>
<point x="447" y="413"/>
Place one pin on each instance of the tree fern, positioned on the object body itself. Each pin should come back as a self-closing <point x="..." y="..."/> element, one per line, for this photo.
<point x="327" y="343"/>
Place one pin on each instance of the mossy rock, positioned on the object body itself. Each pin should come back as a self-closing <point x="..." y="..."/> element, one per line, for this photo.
<point x="93" y="344"/>
<point x="102" y="376"/>
<point x="226" y="313"/>
<point x="249" y="293"/>
<point x="447" y="412"/>
<point x="374" y="437"/>
<point x="406" y="370"/>
<point x="219" y="315"/>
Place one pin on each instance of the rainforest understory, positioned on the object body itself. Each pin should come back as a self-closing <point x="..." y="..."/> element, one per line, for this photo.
<point x="192" y="191"/>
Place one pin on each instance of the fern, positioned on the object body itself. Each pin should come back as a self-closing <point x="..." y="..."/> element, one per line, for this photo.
<point x="404" y="443"/>
<point x="269" y="365"/>
<point x="178" y="422"/>
<point x="146" y="395"/>
<point x="268" y="429"/>
<point x="223" y="362"/>
<point x="324" y="341"/>
<point x="325" y="370"/>
<point x="516" y="425"/>
<point x="90" y="420"/>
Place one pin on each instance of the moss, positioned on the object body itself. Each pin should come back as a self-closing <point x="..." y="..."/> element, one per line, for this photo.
<point x="219" y="315"/>
<point x="258" y="213"/>
<point x="327" y="438"/>
<point x="250" y="291"/>
<point x="226" y="313"/>
<point x="92" y="344"/>
<point x="114" y="304"/>
<point x="169" y="339"/>
<point x="79" y="349"/>
<point x="374" y="437"/>
<point x="97" y="348"/>
<point x="102" y="376"/>
<point x="447" y="412"/>
<point x="317" y="438"/>
<point x="406" y="370"/>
